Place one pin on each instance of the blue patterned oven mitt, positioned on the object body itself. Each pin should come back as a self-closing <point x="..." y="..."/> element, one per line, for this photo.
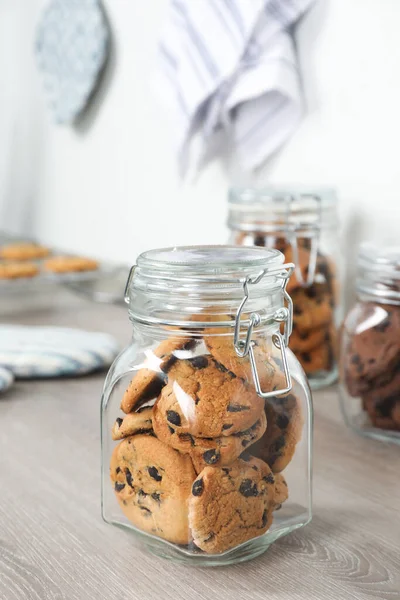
<point x="71" y="49"/>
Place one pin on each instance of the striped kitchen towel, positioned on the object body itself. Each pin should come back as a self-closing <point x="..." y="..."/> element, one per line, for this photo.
<point x="228" y="70"/>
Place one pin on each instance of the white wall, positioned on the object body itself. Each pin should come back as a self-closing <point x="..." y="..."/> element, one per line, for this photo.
<point x="109" y="187"/>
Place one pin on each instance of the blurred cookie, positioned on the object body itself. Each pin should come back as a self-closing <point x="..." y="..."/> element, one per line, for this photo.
<point x="18" y="270"/>
<point x="70" y="264"/>
<point x="23" y="251"/>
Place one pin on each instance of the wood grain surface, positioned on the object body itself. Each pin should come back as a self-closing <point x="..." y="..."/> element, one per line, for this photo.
<point x="54" y="544"/>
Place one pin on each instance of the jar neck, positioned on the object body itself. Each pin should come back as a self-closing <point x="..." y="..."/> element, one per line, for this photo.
<point x="379" y="293"/>
<point x="197" y="313"/>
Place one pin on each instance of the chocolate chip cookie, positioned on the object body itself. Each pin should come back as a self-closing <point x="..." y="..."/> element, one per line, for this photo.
<point x="218" y="451"/>
<point x="281" y="491"/>
<point x="284" y="429"/>
<point x="222" y="349"/>
<point x="230" y="505"/>
<point x="148" y="382"/>
<point x="152" y="483"/>
<point x="204" y="399"/>
<point x="372" y="350"/>
<point x="312" y="309"/>
<point x="133" y="423"/>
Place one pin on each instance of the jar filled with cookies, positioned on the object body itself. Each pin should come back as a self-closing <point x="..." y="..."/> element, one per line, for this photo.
<point x="207" y="415"/>
<point x="370" y="346"/>
<point x="302" y="223"/>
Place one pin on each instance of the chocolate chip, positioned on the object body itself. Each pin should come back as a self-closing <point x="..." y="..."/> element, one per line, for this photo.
<point x="383" y="325"/>
<point x="255" y="468"/>
<point x="306" y="357"/>
<point x="173" y="417"/>
<point x="297" y="310"/>
<point x="355" y="359"/>
<point x="171" y="430"/>
<point x="371" y="361"/>
<point x="119" y="486"/>
<point x="129" y="478"/>
<point x="245" y="443"/>
<point x="227" y="426"/>
<point x="119" y="422"/>
<point x="142" y="493"/>
<point x="185" y="437"/>
<point x="264" y="518"/>
<point x="211" y="456"/>
<point x="272" y="459"/>
<point x="145" y="509"/>
<point x="237" y="408"/>
<point x="303" y="335"/>
<point x="259" y="240"/>
<point x="166" y="366"/>
<point x="226" y="470"/>
<point x="269" y="478"/>
<point x="278" y="444"/>
<point x="118" y="470"/>
<point x="197" y="487"/>
<point x="282" y="421"/>
<point x="196" y="400"/>
<point x="248" y="488"/>
<point x="223" y="369"/>
<point x="199" y="362"/>
<point x="154" y="474"/>
<point x="245" y="456"/>
<point x="155" y="496"/>
<point x="311" y="292"/>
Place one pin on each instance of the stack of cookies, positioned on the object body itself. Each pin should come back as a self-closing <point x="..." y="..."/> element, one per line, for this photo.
<point x="314" y="334"/>
<point x="371" y="363"/>
<point x="200" y="454"/>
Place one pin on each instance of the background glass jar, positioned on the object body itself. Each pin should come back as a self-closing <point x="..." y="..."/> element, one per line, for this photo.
<point x="370" y="346"/>
<point x="303" y="224"/>
<point x="201" y="466"/>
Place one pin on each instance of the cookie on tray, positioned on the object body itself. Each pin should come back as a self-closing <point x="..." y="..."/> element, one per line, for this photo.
<point x="152" y="483"/>
<point x="17" y="270"/>
<point x="23" y="251"/>
<point x="204" y="399"/>
<point x="70" y="264"/>
<point x="148" y="382"/>
<point x="230" y="505"/>
<point x="218" y="451"/>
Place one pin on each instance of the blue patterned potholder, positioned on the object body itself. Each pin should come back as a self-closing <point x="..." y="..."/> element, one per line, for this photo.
<point x="54" y="351"/>
<point x="71" y="50"/>
<point x="6" y="379"/>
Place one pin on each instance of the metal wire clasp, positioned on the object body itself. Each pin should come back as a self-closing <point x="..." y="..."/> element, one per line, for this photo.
<point x="244" y="347"/>
<point x="128" y="284"/>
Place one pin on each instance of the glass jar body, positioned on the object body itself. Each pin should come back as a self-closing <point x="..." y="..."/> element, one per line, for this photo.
<point x="196" y="464"/>
<point x="316" y="304"/>
<point x="370" y="368"/>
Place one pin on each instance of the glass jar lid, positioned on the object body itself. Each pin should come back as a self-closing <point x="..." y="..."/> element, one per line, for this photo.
<point x="170" y="285"/>
<point x="282" y="208"/>
<point x="379" y="272"/>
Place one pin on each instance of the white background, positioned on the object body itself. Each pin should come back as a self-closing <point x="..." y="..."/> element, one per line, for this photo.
<point x="109" y="187"/>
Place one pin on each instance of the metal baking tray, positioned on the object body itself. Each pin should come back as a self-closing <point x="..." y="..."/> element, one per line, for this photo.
<point x="104" y="284"/>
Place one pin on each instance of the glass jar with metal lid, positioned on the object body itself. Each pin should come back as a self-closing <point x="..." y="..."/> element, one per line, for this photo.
<point x="206" y="415"/>
<point x="370" y="346"/>
<point x="303" y="224"/>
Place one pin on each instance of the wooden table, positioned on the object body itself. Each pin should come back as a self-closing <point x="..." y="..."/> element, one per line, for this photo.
<point x="54" y="544"/>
